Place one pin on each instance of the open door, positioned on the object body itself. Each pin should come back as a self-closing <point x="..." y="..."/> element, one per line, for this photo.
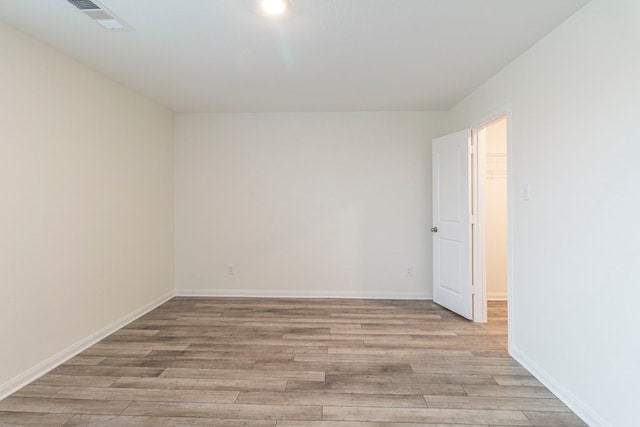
<point x="452" y="270"/>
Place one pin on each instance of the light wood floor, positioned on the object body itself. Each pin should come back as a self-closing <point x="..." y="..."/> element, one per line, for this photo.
<point x="292" y="362"/>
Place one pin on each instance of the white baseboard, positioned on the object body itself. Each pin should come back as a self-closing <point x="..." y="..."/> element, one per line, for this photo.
<point x="568" y="398"/>
<point x="497" y="296"/>
<point x="299" y="294"/>
<point x="54" y="361"/>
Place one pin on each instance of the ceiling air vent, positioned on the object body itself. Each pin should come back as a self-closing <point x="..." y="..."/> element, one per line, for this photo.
<point x="84" y="4"/>
<point x="101" y="15"/>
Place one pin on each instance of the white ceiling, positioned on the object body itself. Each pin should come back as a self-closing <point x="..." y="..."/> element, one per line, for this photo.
<point x="326" y="55"/>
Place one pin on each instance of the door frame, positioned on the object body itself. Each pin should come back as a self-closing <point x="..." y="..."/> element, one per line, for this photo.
<point x="478" y="233"/>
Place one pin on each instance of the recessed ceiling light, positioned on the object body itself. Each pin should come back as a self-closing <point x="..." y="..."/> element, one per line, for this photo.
<point x="274" y="7"/>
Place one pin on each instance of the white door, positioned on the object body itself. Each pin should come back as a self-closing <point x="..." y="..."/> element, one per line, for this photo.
<point x="452" y="223"/>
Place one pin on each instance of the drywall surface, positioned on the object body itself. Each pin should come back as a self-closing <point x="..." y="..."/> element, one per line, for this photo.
<point x="575" y="141"/>
<point x="86" y="189"/>
<point x="308" y="204"/>
<point x="496" y="210"/>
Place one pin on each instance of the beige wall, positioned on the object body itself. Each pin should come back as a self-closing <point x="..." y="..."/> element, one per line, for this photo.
<point x="304" y="203"/>
<point x="86" y="189"/>
<point x="496" y="210"/>
<point x="573" y="99"/>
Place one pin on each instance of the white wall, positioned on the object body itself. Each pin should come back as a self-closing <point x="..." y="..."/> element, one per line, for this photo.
<point x="304" y="203"/>
<point x="86" y="189"/>
<point x="496" y="210"/>
<point x="576" y="142"/>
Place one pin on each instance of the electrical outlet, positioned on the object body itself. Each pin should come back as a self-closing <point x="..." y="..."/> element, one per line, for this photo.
<point x="408" y="271"/>
<point x="230" y="269"/>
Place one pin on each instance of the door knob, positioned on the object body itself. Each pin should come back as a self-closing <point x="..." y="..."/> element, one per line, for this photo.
<point x="434" y="229"/>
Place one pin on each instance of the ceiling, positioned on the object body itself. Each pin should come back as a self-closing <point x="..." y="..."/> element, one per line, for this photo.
<point x="325" y="55"/>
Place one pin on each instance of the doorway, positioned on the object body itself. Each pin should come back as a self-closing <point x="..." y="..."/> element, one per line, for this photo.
<point x="490" y="232"/>
<point x="470" y="218"/>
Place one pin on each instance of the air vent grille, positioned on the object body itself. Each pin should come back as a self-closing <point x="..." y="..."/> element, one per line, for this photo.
<point x="100" y="15"/>
<point x="84" y="4"/>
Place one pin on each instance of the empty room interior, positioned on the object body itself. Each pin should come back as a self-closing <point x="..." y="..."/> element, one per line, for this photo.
<point x="229" y="213"/>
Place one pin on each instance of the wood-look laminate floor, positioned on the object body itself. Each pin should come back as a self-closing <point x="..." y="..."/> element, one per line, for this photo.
<point x="293" y="362"/>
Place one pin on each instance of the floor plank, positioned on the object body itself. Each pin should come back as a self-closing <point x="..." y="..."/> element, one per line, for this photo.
<point x="154" y="421"/>
<point x="36" y="419"/>
<point x="327" y="398"/>
<point x="429" y="415"/>
<point x="226" y="411"/>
